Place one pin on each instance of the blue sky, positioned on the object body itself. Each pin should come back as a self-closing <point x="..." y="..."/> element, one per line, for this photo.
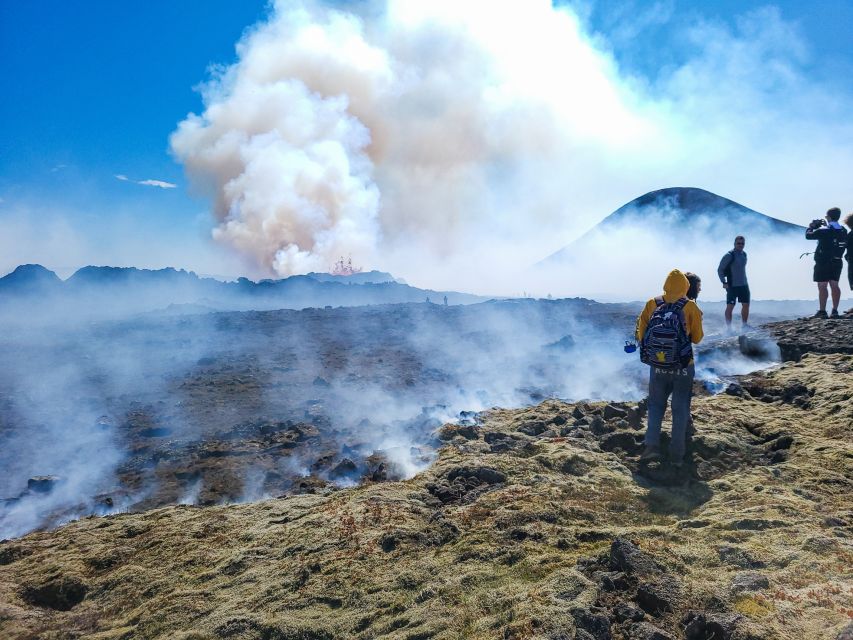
<point x="93" y="90"/>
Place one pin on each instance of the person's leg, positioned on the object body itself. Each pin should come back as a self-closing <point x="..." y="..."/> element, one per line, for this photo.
<point x="744" y="312"/>
<point x="681" y="395"/>
<point x="836" y="294"/>
<point x="822" y="295"/>
<point x="729" y="308"/>
<point x="660" y="386"/>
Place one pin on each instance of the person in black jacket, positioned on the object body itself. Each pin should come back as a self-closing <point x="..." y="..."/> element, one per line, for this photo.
<point x="831" y="240"/>
<point x="849" y="222"/>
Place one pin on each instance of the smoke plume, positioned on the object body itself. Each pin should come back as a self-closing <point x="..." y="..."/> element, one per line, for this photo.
<point x="428" y="138"/>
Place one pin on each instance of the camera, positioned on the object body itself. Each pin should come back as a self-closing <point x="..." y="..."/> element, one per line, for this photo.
<point x="819" y="222"/>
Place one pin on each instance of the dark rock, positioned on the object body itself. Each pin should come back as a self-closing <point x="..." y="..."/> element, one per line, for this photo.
<point x="846" y="633"/>
<point x="832" y="521"/>
<point x="450" y="431"/>
<point x="755" y="524"/>
<point x="659" y="595"/>
<point x="611" y="580"/>
<point x="624" y="612"/>
<point x="735" y="389"/>
<point x="496" y="436"/>
<point x="559" y="420"/>
<point x="596" y="624"/>
<point x="623" y="440"/>
<point x="575" y="466"/>
<point x="343" y="469"/>
<point x="635" y="418"/>
<point x="60" y="593"/>
<point x="10" y="553"/>
<point x="710" y="626"/>
<point x="738" y="557"/>
<point x="646" y="631"/>
<point x="577" y="413"/>
<point x="42" y="484"/>
<point x="599" y="427"/>
<point x="783" y="442"/>
<point x="626" y="556"/>
<point x="388" y="541"/>
<point x="750" y="582"/>
<point x="779" y="457"/>
<point x="611" y="412"/>
<point x="533" y="428"/>
<point x="582" y="634"/>
<point x="465" y="483"/>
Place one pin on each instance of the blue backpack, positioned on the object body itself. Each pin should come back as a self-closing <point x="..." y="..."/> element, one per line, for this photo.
<point x="665" y="344"/>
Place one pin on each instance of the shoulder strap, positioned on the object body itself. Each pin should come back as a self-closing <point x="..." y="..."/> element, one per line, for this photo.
<point x="659" y="301"/>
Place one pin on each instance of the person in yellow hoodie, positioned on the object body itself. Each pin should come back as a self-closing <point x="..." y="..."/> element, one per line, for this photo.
<point x="668" y="379"/>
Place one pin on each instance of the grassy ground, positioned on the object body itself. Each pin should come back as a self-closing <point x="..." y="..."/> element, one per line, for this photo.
<point x="486" y="543"/>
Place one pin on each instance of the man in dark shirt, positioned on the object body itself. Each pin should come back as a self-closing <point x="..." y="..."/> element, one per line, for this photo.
<point x="849" y="222"/>
<point x="831" y="240"/>
<point x="732" y="273"/>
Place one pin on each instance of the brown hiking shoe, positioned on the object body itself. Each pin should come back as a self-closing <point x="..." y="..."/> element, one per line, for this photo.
<point x="650" y="454"/>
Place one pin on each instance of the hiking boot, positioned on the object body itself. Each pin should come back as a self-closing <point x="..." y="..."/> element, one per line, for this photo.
<point x="821" y="314"/>
<point x="650" y="454"/>
<point x="834" y="314"/>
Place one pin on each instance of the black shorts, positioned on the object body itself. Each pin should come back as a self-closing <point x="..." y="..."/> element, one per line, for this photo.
<point x="826" y="271"/>
<point x="737" y="294"/>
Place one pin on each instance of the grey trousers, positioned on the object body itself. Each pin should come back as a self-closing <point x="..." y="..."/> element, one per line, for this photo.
<point x="662" y="384"/>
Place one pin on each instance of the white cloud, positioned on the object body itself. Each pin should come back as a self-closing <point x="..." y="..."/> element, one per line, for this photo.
<point x="147" y="183"/>
<point x="157" y="183"/>
<point x="454" y="143"/>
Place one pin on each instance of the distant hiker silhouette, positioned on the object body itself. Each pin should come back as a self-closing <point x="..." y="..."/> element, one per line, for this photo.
<point x="732" y="273"/>
<point x="849" y="222"/>
<point x="667" y="328"/>
<point x="831" y="243"/>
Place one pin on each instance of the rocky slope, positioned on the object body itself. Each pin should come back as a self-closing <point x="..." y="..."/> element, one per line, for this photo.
<point x="532" y="523"/>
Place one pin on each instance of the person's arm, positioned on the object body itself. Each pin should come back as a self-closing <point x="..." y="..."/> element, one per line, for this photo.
<point x="724" y="264"/>
<point x="693" y="318"/>
<point x="643" y="320"/>
<point x="815" y="234"/>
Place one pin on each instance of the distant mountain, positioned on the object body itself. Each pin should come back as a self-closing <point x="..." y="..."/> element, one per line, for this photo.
<point x="366" y="277"/>
<point x="680" y="211"/>
<point x="94" y="290"/>
<point x="29" y="278"/>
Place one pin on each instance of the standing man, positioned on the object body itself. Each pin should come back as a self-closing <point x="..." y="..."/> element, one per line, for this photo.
<point x="732" y="273"/>
<point x="849" y="222"/>
<point x="667" y="329"/>
<point x="831" y="242"/>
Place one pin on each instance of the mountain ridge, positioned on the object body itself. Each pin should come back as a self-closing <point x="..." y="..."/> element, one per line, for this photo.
<point x="686" y="206"/>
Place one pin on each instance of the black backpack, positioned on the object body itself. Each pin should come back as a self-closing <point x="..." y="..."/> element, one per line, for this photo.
<point x="839" y="243"/>
<point x="665" y="344"/>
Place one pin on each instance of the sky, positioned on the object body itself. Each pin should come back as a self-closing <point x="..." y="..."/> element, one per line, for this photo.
<point x="466" y="137"/>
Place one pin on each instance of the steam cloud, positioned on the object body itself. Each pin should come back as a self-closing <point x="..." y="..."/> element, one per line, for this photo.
<point x="426" y="138"/>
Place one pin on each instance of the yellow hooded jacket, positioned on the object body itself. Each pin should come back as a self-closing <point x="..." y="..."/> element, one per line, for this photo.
<point x="674" y="288"/>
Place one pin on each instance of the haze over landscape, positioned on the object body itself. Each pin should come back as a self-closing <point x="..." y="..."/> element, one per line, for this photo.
<point x="318" y="320"/>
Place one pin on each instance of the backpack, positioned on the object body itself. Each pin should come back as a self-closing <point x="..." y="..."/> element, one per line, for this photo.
<point x="839" y="243"/>
<point x="665" y="344"/>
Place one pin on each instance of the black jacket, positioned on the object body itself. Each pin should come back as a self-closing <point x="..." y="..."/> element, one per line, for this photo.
<point x="829" y="240"/>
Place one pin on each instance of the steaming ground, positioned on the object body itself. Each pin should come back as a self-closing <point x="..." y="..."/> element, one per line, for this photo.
<point x="229" y="407"/>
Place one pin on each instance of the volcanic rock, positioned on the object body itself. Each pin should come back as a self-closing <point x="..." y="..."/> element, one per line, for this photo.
<point x="61" y="593"/>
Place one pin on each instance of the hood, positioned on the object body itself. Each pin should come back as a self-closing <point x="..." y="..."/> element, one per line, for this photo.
<point x="676" y="286"/>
